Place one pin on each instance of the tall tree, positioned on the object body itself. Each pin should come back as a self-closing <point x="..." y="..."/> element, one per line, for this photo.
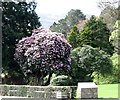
<point x="109" y="16"/>
<point x="18" y="20"/>
<point x="110" y="11"/>
<point x="71" y="19"/>
<point x="96" y="34"/>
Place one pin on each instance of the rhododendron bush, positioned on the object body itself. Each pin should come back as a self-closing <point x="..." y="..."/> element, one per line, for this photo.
<point x="42" y="52"/>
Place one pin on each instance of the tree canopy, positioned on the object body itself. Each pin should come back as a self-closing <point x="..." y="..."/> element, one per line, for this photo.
<point x="18" y="20"/>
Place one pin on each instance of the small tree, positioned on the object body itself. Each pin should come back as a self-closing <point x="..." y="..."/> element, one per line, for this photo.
<point x="42" y="53"/>
<point x="73" y="37"/>
<point x="86" y="60"/>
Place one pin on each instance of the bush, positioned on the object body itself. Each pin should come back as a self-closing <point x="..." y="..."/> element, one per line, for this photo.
<point x="86" y="60"/>
<point x="61" y="80"/>
<point x="114" y="77"/>
<point x="42" y="53"/>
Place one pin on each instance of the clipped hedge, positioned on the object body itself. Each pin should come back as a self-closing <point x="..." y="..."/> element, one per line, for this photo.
<point x="36" y="91"/>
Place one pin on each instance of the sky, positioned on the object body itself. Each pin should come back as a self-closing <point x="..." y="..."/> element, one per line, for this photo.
<point x="51" y="11"/>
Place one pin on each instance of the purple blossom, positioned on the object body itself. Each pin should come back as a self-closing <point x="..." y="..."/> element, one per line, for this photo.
<point x="43" y="49"/>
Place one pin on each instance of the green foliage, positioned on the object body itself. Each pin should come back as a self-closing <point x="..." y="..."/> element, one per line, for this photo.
<point x="18" y="20"/>
<point x="61" y="80"/>
<point x="73" y="37"/>
<point x="114" y="77"/>
<point x="96" y="34"/>
<point x="115" y="37"/>
<point x="64" y="25"/>
<point x="86" y="60"/>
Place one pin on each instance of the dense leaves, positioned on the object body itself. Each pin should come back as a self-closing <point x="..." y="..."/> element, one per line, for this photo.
<point x="43" y="52"/>
<point x="86" y="60"/>
<point x="18" y="20"/>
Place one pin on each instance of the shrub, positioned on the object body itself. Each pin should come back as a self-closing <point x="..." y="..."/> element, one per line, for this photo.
<point x="114" y="77"/>
<point x="61" y="80"/>
<point x="43" y="52"/>
<point x="86" y="60"/>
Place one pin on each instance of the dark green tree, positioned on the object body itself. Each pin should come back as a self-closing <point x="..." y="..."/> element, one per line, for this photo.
<point x="71" y="19"/>
<point x="18" y="20"/>
<point x="96" y="34"/>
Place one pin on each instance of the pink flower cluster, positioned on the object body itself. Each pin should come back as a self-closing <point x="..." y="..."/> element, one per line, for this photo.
<point x="43" y="50"/>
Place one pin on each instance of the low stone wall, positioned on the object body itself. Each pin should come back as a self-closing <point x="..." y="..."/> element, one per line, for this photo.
<point x="37" y="91"/>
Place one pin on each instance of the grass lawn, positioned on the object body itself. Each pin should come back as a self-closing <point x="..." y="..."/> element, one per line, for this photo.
<point x="109" y="91"/>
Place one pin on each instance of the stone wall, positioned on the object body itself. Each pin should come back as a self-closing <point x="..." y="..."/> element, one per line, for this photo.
<point x="85" y="90"/>
<point x="37" y="91"/>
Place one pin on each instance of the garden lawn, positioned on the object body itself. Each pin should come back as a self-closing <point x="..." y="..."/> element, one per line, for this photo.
<point x="109" y="91"/>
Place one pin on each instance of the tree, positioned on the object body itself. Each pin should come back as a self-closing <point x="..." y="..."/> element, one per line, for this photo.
<point x="18" y="20"/>
<point x="42" y="53"/>
<point x="115" y="37"/>
<point x="71" y="19"/>
<point x="86" y="60"/>
<point x="73" y="37"/>
<point x="109" y="16"/>
<point x="110" y="11"/>
<point x="96" y="34"/>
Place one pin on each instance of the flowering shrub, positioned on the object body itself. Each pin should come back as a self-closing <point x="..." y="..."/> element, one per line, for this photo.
<point x="43" y="51"/>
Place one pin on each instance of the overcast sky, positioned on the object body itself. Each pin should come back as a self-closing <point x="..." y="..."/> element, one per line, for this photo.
<point x="51" y="11"/>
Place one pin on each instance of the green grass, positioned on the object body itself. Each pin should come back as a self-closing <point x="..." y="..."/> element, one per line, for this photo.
<point x="108" y="91"/>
